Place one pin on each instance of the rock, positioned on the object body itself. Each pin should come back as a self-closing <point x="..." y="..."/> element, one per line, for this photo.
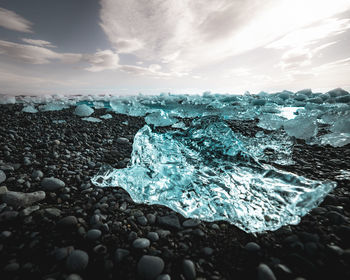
<point x="11" y="267"/>
<point x="191" y="223"/>
<point x="77" y="261"/>
<point x="153" y="236"/>
<point x="142" y="220"/>
<point x="52" y="184"/>
<point x="252" y="247"/>
<point x="37" y="174"/>
<point x="93" y="234"/>
<point x="53" y="212"/>
<point x="265" y="273"/>
<point x="207" y="251"/>
<point x="163" y="277"/>
<point x="122" y="140"/>
<point x="189" y="270"/>
<point x="67" y="222"/>
<point x="8" y="216"/>
<point x="336" y="218"/>
<point x="120" y="254"/>
<point x="29" y="210"/>
<point x="61" y="253"/>
<point x="74" y="277"/>
<point x="19" y="199"/>
<point x="171" y="221"/>
<point x="163" y="233"/>
<point x="141" y="243"/>
<point x="150" y="267"/>
<point x="151" y="218"/>
<point x="2" y="176"/>
<point x="3" y="190"/>
<point x="5" y="234"/>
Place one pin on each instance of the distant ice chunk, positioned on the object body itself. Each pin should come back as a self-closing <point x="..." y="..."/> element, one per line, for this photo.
<point x="106" y="117"/>
<point x="53" y="107"/>
<point x="6" y="99"/>
<point x="83" y="110"/>
<point x="207" y="172"/>
<point x="335" y="139"/>
<point x="270" y="121"/>
<point x="342" y="124"/>
<point x="301" y="127"/>
<point x="92" y="119"/>
<point x="160" y="118"/>
<point x="29" y="109"/>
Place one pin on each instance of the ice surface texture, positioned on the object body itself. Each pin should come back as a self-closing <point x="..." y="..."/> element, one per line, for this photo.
<point x="206" y="171"/>
<point x="83" y="110"/>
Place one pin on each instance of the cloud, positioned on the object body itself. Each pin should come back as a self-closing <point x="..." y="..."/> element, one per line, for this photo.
<point x="102" y="60"/>
<point x="185" y="35"/>
<point x="35" y="54"/>
<point x="11" y="20"/>
<point x="40" y="43"/>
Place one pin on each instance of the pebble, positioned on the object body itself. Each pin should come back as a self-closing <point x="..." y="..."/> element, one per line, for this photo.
<point x="53" y="212"/>
<point x="191" y="223"/>
<point x="153" y="236"/>
<point x="142" y="220"/>
<point x="189" y="270"/>
<point x="207" y="251"/>
<point x="120" y="254"/>
<point x="265" y="273"/>
<point x="141" y="243"/>
<point x="163" y="277"/>
<point x="77" y="261"/>
<point x="93" y="234"/>
<point x="150" y="267"/>
<point x="19" y="199"/>
<point x="3" y="189"/>
<point x="151" y="218"/>
<point x="336" y="218"/>
<point x="171" y="221"/>
<point x="61" y="253"/>
<point x="52" y="184"/>
<point x="29" y="210"/>
<point x="67" y="222"/>
<point x="2" y="176"/>
<point x="74" y="277"/>
<point x="37" y="174"/>
<point x="252" y="247"/>
<point x="8" y="216"/>
<point x="11" y="267"/>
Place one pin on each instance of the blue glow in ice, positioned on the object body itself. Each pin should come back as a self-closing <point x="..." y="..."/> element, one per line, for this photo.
<point x="208" y="172"/>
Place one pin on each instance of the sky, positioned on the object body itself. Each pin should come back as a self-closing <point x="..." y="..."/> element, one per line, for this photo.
<point x="126" y="47"/>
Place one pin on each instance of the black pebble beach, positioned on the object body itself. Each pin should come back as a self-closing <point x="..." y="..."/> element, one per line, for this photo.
<point x="70" y="229"/>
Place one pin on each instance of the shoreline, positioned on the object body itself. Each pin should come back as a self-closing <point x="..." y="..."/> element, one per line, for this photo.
<point x="32" y="244"/>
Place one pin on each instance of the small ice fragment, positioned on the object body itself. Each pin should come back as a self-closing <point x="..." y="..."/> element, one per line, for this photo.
<point x="179" y="125"/>
<point x="335" y="139"/>
<point x="342" y="125"/>
<point x="52" y="107"/>
<point x="83" y="110"/>
<point x="106" y="117"/>
<point x="92" y="119"/>
<point x="159" y="118"/>
<point x="58" y="121"/>
<point x="301" y="127"/>
<point x="270" y="122"/>
<point x="30" y="109"/>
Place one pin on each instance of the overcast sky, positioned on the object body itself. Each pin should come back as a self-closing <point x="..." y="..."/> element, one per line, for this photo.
<point x="179" y="46"/>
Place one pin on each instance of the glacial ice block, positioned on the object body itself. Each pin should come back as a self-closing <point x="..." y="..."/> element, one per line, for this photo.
<point x="29" y="109"/>
<point x="83" y="110"/>
<point x="207" y="172"/>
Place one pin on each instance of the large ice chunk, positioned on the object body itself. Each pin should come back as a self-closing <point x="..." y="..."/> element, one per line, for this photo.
<point x="335" y="139"/>
<point x="83" y="110"/>
<point x="206" y="172"/>
<point x="301" y="127"/>
<point x="160" y="118"/>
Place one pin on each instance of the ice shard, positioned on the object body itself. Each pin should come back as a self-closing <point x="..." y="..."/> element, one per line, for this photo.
<point x="207" y="171"/>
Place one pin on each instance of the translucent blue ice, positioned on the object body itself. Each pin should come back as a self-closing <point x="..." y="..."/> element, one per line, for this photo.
<point x="206" y="171"/>
<point x="29" y="109"/>
<point x="83" y="110"/>
<point x="91" y="119"/>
